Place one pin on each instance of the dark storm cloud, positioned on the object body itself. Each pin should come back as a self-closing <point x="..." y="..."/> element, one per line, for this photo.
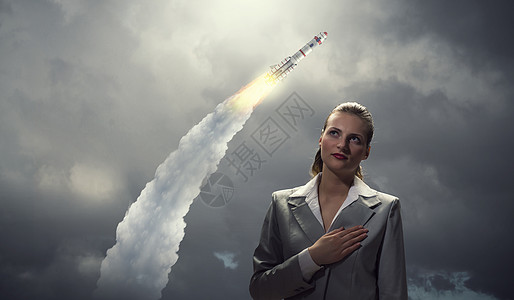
<point x="55" y="117"/>
<point x="478" y="31"/>
<point x="43" y="258"/>
<point x="465" y="144"/>
<point x="473" y="26"/>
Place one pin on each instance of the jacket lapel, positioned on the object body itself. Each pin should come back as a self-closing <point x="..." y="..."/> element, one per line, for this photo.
<point x="357" y="213"/>
<point x="305" y="218"/>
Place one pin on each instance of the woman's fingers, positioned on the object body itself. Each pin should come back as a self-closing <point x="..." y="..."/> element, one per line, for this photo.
<point x="335" y="231"/>
<point x="337" y="244"/>
<point x="354" y="240"/>
<point x="350" y="240"/>
<point x="348" y="250"/>
<point x="352" y="233"/>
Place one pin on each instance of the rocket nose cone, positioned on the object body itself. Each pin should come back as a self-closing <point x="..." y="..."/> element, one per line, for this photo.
<point x="325" y="33"/>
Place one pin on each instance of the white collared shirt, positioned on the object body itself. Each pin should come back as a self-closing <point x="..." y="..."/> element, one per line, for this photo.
<point x="310" y="191"/>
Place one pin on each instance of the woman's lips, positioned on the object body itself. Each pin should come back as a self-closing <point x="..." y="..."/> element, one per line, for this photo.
<point x="339" y="156"/>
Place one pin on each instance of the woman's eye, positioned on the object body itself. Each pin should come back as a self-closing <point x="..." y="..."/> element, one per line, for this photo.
<point x="355" y="139"/>
<point x="333" y="133"/>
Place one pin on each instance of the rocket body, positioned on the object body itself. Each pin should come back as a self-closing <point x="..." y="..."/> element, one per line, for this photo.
<point x="280" y="70"/>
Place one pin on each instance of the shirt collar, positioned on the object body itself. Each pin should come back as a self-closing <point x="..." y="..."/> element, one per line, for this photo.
<point x="358" y="188"/>
<point x="310" y="192"/>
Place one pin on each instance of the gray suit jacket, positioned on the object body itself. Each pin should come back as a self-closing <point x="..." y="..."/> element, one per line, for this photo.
<point x="374" y="271"/>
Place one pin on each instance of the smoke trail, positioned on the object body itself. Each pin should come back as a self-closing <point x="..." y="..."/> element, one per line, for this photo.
<point x="148" y="238"/>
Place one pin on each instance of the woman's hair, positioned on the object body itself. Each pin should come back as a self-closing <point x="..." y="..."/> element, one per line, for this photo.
<point x="353" y="108"/>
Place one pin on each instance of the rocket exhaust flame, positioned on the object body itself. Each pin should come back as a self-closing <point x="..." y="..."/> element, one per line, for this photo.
<point x="148" y="237"/>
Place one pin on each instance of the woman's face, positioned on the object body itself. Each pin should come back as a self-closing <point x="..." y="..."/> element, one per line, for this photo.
<point x="343" y="143"/>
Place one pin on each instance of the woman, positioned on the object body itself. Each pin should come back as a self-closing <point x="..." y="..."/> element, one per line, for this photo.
<point x="335" y="237"/>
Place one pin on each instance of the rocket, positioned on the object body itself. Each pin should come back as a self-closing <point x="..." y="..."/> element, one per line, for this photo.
<point x="280" y="71"/>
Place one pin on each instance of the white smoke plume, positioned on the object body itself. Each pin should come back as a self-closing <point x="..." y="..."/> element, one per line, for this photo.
<point x="148" y="238"/>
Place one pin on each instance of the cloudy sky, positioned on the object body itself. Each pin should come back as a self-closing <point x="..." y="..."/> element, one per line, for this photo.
<point x="94" y="95"/>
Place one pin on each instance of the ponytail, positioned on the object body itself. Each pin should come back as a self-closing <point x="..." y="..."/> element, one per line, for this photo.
<point x="317" y="165"/>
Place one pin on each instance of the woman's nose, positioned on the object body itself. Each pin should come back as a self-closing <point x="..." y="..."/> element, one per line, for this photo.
<point x="343" y="145"/>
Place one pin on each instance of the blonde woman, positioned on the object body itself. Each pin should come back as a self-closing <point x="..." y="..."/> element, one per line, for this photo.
<point x="334" y="237"/>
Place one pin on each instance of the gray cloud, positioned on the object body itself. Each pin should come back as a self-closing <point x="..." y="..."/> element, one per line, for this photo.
<point x="227" y="258"/>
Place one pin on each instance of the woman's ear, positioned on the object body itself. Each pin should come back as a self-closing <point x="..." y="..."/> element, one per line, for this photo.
<point x="367" y="152"/>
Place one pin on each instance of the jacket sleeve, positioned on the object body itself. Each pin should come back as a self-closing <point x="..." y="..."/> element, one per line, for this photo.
<point x="392" y="282"/>
<point x="275" y="276"/>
